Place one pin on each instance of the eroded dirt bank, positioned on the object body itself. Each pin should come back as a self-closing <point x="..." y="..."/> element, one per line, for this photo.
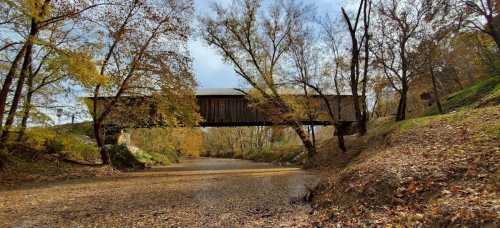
<point x="195" y="193"/>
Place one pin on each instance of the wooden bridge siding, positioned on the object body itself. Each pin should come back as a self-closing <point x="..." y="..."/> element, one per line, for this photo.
<point x="235" y="110"/>
<point x="228" y="109"/>
<point x="347" y="113"/>
<point x="231" y="111"/>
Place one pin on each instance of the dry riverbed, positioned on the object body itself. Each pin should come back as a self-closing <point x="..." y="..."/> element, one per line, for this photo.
<point x="195" y="193"/>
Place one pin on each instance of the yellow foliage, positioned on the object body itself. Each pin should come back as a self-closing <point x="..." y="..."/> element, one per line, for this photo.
<point x="184" y="141"/>
<point x="30" y="8"/>
<point x="35" y="9"/>
<point x="36" y="138"/>
<point x="80" y="66"/>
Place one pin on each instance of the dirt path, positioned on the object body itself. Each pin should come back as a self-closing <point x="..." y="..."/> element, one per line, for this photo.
<point x="195" y="193"/>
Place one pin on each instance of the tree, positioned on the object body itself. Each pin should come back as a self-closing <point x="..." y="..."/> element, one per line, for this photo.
<point x="47" y="71"/>
<point x="312" y="72"/>
<point x="442" y="21"/>
<point x="357" y="45"/>
<point x="486" y="10"/>
<point x="305" y="58"/>
<point x="255" y="47"/>
<point x="40" y="14"/>
<point x="398" y="32"/>
<point x="145" y="54"/>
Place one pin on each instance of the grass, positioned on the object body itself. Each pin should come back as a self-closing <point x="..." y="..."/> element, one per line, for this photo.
<point x="483" y="92"/>
<point x="53" y="140"/>
<point x="82" y="129"/>
<point x="75" y="142"/>
<point x="155" y="158"/>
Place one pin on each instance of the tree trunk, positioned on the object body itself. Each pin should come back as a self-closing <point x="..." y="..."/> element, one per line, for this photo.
<point x="20" y="83"/>
<point x="354" y="90"/>
<point x="309" y="112"/>
<point x="375" y="105"/>
<point x="97" y="125"/>
<point x="436" y="92"/>
<point x="27" y="106"/>
<point x="106" y="159"/>
<point x="355" y="71"/>
<point x="9" y="78"/>
<point x="311" y="151"/>
<point x="496" y="37"/>
<point x="341" y="143"/>
<point x="1" y="163"/>
<point x="313" y="136"/>
<point x="494" y="26"/>
<point x="401" y="115"/>
<point x="366" y="21"/>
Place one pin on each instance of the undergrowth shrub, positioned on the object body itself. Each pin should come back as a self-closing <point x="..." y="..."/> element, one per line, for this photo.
<point x="123" y="158"/>
<point x="76" y="148"/>
<point x="53" y="146"/>
<point x="164" y="158"/>
<point x="54" y="141"/>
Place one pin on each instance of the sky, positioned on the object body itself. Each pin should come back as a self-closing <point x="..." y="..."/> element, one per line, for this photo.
<point x="210" y="71"/>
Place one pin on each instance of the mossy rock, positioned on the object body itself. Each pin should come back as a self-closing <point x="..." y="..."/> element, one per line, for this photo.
<point x="123" y="158"/>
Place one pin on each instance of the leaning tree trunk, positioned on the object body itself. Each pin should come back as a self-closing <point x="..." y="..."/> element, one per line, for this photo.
<point x="340" y="131"/>
<point x="9" y="78"/>
<point x="22" y="77"/>
<point x="27" y="107"/>
<point x="435" y="89"/>
<point x="311" y="151"/>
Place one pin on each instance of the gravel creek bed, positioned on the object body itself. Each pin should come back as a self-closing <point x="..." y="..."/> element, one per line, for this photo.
<point x="195" y="193"/>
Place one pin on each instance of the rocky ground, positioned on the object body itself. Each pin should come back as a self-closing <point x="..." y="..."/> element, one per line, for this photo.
<point x="195" y="193"/>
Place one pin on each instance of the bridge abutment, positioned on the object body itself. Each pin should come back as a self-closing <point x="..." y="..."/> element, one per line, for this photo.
<point x="117" y="136"/>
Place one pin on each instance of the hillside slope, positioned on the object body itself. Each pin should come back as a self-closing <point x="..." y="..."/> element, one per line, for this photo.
<point x="482" y="94"/>
<point x="434" y="171"/>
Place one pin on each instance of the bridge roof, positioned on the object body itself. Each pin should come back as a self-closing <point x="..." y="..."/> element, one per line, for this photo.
<point x="219" y="92"/>
<point x="240" y="92"/>
<point x="232" y="92"/>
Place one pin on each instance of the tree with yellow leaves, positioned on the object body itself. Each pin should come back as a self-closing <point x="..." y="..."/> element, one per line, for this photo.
<point x="37" y="16"/>
<point x="143" y="53"/>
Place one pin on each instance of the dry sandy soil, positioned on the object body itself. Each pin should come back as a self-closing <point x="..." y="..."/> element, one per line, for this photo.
<point x="195" y="193"/>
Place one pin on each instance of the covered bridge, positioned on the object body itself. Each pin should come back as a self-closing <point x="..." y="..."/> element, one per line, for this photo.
<point x="228" y="108"/>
